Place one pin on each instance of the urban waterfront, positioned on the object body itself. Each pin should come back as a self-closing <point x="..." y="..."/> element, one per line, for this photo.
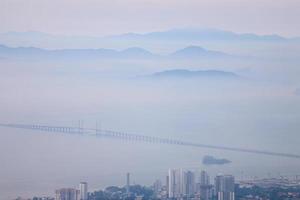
<point x="184" y="184"/>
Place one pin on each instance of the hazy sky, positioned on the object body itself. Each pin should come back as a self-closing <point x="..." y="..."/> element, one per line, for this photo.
<point x="99" y="17"/>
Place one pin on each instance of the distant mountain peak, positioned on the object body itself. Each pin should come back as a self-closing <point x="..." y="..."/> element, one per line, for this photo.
<point x="196" y="51"/>
<point x="193" y="48"/>
<point x="184" y="73"/>
<point x="129" y="53"/>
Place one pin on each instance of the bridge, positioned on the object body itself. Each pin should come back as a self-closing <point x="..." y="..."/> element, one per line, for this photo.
<point x="140" y="138"/>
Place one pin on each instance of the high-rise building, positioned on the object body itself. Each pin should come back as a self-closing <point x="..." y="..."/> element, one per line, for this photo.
<point x="83" y="187"/>
<point x="203" y="187"/>
<point x="167" y="185"/>
<point x="67" y="194"/>
<point x="157" y="186"/>
<point x="206" y="192"/>
<point x="204" y="178"/>
<point x="174" y="183"/>
<point x="181" y="183"/>
<point x="128" y="183"/>
<point x="224" y="185"/>
<point x="187" y="183"/>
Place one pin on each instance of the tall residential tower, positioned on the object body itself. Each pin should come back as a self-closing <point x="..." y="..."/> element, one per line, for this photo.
<point x="83" y="188"/>
<point x="128" y="184"/>
<point x="224" y="185"/>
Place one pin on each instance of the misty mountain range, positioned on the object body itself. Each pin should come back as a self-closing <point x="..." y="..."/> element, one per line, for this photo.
<point x="201" y="34"/>
<point x="172" y="34"/>
<point x="191" y="52"/>
<point x="183" y="73"/>
<point x="188" y="36"/>
<point x="196" y="51"/>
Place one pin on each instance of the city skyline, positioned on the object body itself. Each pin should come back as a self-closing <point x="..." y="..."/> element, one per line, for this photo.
<point x="180" y="183"/>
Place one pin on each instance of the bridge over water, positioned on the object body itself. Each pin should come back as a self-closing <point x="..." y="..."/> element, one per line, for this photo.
<point x="140" y="138"/>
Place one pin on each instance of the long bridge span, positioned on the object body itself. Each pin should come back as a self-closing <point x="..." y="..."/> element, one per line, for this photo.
<point x="141" y="138"/>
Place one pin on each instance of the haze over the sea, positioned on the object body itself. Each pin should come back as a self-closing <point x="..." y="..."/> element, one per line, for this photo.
<point x="215" y="72"/>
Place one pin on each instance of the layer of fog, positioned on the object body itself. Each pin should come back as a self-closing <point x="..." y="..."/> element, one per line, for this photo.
<point x="258" y="111"/>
